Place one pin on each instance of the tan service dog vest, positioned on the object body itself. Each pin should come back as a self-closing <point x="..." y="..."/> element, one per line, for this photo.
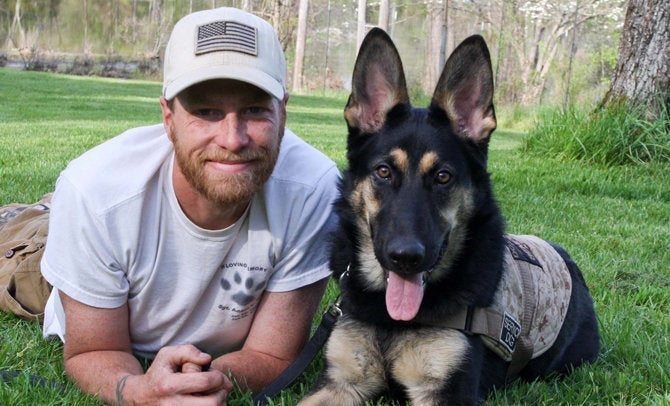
<point x="529" y="306"/>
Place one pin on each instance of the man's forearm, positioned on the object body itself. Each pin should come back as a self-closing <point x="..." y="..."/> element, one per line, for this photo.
<point x="100" y="373"/>
<point x="251" y="370"/>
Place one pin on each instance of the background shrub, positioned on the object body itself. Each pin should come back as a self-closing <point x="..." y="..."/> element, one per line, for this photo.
<point x="610" y="136"/>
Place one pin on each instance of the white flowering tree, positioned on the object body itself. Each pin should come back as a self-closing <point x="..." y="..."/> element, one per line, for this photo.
<point x="537" y="28"/>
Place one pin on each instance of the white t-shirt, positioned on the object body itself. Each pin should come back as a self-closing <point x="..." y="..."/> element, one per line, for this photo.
<point x="117" y="234"/>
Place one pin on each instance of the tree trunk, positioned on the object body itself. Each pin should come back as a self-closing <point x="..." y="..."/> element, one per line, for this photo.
<point x="156" y="26"/>
<point x="360" y="26"/>
<point x="433" y="45"/>
<point x="300" y="40"/>
<point x="276" y="16"/>
<point x="135" y="34"/>
<point x="445" y="35"/>
<point x="383" y="21"/>
<point x="16" y="35"/>
<point x="86" y="47"/>
<point x="642" y="73"/>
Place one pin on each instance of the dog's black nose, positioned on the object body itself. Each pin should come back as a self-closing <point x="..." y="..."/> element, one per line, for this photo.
<point x="406" y="254"/>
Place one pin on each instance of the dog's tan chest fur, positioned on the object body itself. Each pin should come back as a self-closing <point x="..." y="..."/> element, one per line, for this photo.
<point x="423" y="360"/>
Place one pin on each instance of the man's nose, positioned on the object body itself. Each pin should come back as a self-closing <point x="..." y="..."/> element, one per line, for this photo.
<point x="232" y="133"/>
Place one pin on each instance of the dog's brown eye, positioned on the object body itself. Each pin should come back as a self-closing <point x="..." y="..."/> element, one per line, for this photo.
<point x="384" y="172"/>
<point x="443" y="177"/>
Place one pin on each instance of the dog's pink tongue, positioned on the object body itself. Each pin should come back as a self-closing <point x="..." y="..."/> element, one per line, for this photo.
<point x="403" y="296"/>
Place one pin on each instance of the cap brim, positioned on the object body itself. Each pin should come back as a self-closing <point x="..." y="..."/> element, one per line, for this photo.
<point x="246" y="74"/>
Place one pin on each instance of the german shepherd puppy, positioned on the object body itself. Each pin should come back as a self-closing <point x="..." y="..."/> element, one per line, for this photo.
<point x="421" y="254"/>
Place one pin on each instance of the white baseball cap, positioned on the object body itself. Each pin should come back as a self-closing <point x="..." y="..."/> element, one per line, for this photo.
<point x="224" y="43"/>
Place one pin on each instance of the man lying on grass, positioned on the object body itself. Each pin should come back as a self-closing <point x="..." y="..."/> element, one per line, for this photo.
<point x="194" y="242"/>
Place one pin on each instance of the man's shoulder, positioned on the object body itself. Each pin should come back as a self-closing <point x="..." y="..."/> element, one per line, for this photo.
<point x="121" y="166"/>
<point x="125" y="146"/>
<point x="301" y="163"/>
<point x="302" y="186"/>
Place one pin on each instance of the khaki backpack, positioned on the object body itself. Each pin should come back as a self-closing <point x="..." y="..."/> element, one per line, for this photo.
<point x="23" y="290"/>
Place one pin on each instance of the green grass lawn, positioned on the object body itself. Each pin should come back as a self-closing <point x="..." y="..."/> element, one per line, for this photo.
<point x="615" y="221"/>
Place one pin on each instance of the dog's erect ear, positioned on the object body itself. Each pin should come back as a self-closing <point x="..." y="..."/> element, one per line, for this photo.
<point x="465" y="91"/>
<point x="378" y="83"/>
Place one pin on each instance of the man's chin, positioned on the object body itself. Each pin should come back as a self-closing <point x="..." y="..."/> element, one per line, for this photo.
<point x="232" y="189"/>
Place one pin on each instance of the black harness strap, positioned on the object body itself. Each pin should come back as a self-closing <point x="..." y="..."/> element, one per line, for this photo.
<point x="524" y="349"/>
<point x="472" y="321"/>
<point x="298" y="366"/>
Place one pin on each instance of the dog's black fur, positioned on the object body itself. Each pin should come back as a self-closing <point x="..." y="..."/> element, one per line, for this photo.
<point x="417" y="200"/>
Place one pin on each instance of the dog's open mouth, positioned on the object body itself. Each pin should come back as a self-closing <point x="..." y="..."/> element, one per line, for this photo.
<point x="404" y="295"/>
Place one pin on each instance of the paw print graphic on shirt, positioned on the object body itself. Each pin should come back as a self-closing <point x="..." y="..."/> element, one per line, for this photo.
<point x="243" y="288"/>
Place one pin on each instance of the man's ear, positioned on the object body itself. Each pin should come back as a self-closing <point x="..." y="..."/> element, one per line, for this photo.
<point x="283" y="104"/>
<point x="166" y="109"/>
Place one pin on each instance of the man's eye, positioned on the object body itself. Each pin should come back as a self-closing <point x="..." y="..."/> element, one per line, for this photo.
<point x="208" y="114"/>
<point x="255" y="110"/>
<point x="204" y="112"/>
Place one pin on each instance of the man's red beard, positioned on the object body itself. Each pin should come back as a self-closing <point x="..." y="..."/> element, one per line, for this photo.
<point x="226" y="189"/>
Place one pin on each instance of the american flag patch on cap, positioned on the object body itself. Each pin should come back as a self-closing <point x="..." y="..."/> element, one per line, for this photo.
<point x="227" y="36"/>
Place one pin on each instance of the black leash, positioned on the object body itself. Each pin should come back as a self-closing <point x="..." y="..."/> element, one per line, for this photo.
<point x="303" y="360"/>
<point x="8" y="376"/>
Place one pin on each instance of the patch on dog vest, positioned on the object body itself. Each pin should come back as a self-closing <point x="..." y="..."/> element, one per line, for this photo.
<point x="510" y="332"/>
<point x="532" y="298"/>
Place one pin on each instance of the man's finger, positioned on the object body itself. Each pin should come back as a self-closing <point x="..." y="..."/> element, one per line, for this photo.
<point x="176" y="357"/>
